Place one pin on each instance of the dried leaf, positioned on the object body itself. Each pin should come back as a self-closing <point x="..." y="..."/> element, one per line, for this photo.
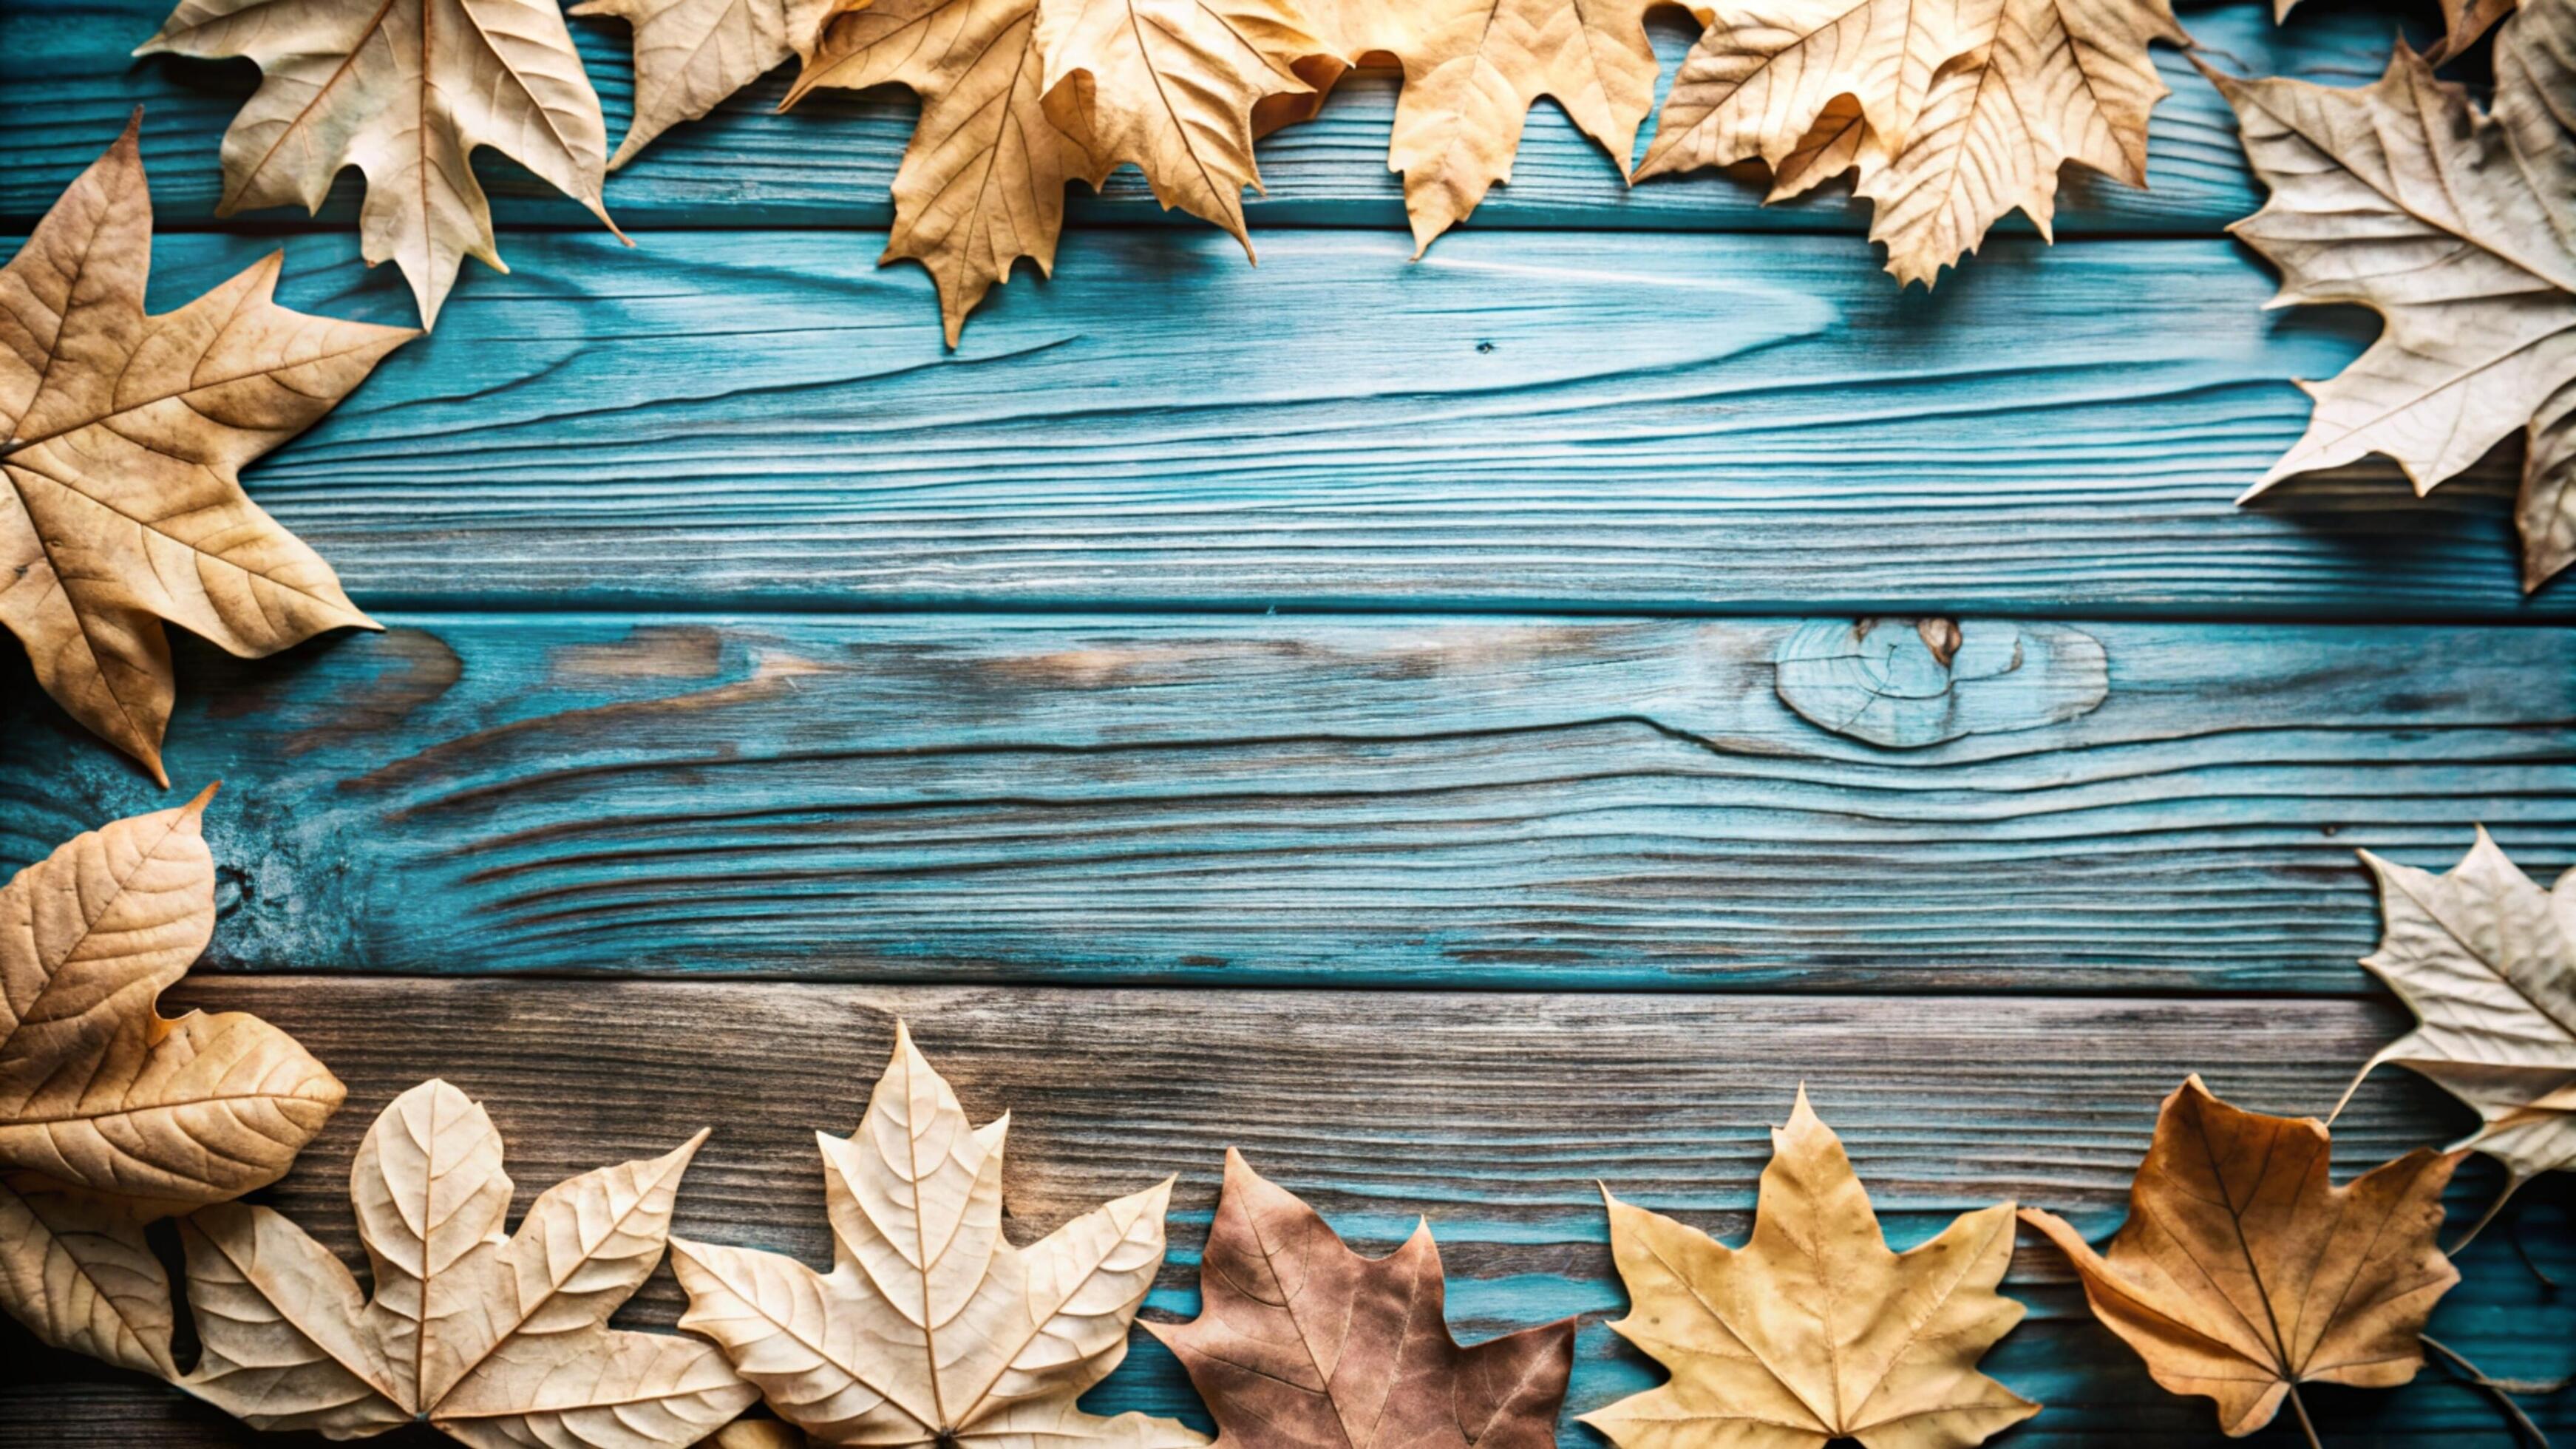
<point x="1953" y="114"/>
<point x="125" y="437"/>
<point x="2487" y="962"/>
<point x="692" y="54"/>
<point x="1170" y="85"/>
<point x="406" y="91"/>
<point x="982" y="182"/>
<point x="2460" y="230"/>
<point x="931" y="1327"/>
<point x="111" y="1115"/>
<point x="2243" y="1271"/>
<point x="499" y="1341"/>
<point x="1813" y="1330"/>
<point x="1300" y="1341"/>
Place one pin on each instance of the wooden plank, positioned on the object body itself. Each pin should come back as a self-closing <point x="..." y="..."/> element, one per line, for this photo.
<point x="1492" y="1115"/>
<point x="1426" y="800"/>
<point x="1593" y="421"/>
<point x="830" y="164"/>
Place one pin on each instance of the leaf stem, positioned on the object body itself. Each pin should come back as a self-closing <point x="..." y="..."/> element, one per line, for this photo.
<point x="2307" y="1426"/>
<point x="2501" y="1390"/>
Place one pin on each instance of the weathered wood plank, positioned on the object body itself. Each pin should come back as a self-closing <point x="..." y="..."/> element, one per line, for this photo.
<point x="830" y="164"/>
<point x="1593" y="421"/>
<point x="1427" y="800"/>
<point x="1492" y="1115"/>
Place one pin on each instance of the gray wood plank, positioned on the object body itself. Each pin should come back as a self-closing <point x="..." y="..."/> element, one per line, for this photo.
<point x="1493" y="1116"/>
<point x="830" y="163"/>
<point x="1427" y="800"/>
<point x="1585" y="420"/>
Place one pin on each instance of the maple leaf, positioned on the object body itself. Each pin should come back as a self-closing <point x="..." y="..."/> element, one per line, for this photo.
<point x="931" y="1327"/>
<point x="2459" y="229"/>
<point x="111" y="1115"/>
<point x="982" y="181"/>
<point x="1953" y="115"/>
<point x="692" y="54"/>
<point x="1300" y="1341"/>
<point x="124" y="437"/>
<point x="499" y="1341"/>
<point x="406" y="91"/>
<point x="1171" y="86"/>
<point x="2243" y="1271"/>
<point x="1813" y="1330"/>
<point x="2487" y="962"/>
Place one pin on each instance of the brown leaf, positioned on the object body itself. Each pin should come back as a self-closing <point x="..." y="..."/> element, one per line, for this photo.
<point x="692" y="54"/>
<point x="111" y="1115"/>
<point x="2459" y="229"/>
<point x="1813" y="1330"/>
<point x="1300" y="1341"/>
<point x="498" y="1340"/>
<point x="406" y="91"/>
<point x="2243" y="1271"/>
<point x="125" y="437"/>
<point x="931" y="1328"/>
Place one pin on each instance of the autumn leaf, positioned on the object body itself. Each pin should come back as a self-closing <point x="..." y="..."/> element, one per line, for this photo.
<point x="2459" y="229"/>
<point x="1300" y="1341"/>
<point x="1813" y="1330"/>
<point x="2243" y="1271"/>
<point x="982" y="182"/>
<point x="110" y="1114"/>
<point x="1953" y="115"/>
<point x="2487" y="962"/>
<point x="931" y="1328"/>
<point x="498" y="1340"/>
<point x="406" y="91"/>
<point x="125" y="438"/>
<point x="692" y="54"/>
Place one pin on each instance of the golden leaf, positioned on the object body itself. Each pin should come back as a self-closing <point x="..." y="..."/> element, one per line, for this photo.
<point x="125" y="435"/>
<point x="1813" y="1330"/>
<point x="982" y="182"/>
<point x="2459" y="229"/>
<point x="692" y="54"/>
<point x="2243" y="1271"/>
<point x="406" y="91"/>
<point x="931" y="1327"/>
<point x="498" y="1340"/>
<point x="111" y="1115"/>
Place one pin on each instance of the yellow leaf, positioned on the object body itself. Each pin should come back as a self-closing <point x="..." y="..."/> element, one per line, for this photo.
<point x="692" y="54"/>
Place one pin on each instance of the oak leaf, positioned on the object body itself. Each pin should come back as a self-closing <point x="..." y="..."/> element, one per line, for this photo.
<point x="498" y="1340"/>
<point x="1300" y="1341"/>
<point x="122" y="437"/>
<point x="692" y="54"/>
<point x="406" y="91"/>
<point x="931" y="1328"/>
<point x="982" y="182"/>
<point x="2243" y="1271"/>
<point x="110" y="1114"/>
<point x="1953" y="114"/>
<point x="2487" y="962"/>
<point x="2459" y="229"/>
<point x="1813" y="1330"/>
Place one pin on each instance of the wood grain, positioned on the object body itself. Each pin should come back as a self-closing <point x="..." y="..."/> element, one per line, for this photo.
<point x="1586" y="420"/>
<point x="1493" y="1116"/>
<point x="829" y="164"/>
<point x="1472" y="802"/>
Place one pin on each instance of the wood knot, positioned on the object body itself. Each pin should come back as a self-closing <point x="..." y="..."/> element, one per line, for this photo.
<point x="1905" y="688"/>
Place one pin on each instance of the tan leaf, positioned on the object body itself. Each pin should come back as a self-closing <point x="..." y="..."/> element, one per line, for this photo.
<point x="406" y="91"/>
<point x="1954" y="113"/>
<point x="2243" y="1271"/>
<point x="758" y="1434"/>
<point x="125" y="435"/>
<point x="982" y="182"/>
<point x="2459" y="229"/>
<point x="1170" y="85"/>
<point x="79" y="1274"/>
<point x="498" y="1340"/>
<point x="931" y="1327"/>
<point x="2487" y="962"/>
<point x="692" y="54"/>
<point x="1300" y="1341"/>
<point x="1813" y="1330"/>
